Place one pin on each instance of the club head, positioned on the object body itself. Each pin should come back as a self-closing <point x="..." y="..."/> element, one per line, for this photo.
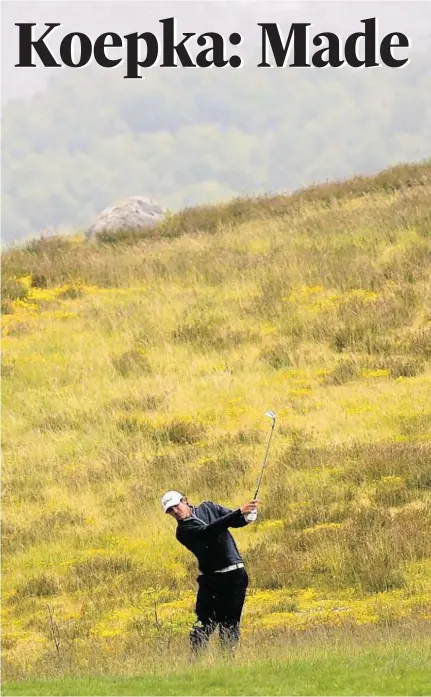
<point x="270" y="414"/>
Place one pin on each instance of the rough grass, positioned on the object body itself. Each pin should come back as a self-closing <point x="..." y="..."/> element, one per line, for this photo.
<point x="377" y="662"/>
<point x="134" y="367"/>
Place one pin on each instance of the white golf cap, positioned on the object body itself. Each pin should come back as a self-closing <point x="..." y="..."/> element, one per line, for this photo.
<point x="171" y="498"/>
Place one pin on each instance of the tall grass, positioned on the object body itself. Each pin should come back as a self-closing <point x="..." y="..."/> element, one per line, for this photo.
<point x="135" y="365"/>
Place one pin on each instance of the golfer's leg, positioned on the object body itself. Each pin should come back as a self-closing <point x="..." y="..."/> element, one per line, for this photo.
<point x="205" y="618"/>
<point x="230" y="604"/>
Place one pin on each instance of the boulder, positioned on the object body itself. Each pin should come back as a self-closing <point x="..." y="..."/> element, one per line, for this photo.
<point x="133" y="213"/>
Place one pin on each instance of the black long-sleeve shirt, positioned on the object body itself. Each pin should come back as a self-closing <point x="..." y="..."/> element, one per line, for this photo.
<point x="206" y="535"/>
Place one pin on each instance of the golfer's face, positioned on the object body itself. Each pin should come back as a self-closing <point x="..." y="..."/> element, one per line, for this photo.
<point x="180" y="511"/>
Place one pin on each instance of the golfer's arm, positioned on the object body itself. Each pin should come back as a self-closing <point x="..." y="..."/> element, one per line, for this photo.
<point x="200" y="530"/>
<point x="239" y="521"/>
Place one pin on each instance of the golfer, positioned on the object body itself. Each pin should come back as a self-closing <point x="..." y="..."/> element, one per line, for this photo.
<point x="222" y="578"/>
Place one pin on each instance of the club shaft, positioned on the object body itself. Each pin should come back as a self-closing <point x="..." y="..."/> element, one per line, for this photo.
<point x="264" y="460"/>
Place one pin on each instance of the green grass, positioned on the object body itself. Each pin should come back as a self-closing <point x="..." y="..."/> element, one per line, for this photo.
<point x="391" y="670"/>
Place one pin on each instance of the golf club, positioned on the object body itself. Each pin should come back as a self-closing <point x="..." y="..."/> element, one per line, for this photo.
<point x="253" y="514"/>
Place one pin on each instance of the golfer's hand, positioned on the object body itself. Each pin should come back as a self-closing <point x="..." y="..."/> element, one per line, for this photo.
<point x="249" y="507"/>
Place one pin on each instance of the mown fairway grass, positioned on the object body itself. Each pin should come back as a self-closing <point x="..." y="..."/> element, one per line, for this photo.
<point x="136" y="364"/>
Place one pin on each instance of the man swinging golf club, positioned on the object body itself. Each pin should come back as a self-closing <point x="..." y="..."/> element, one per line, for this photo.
<point x="222" y="579"/>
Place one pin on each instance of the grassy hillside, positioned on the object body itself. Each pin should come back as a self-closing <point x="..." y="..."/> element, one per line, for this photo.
<point x="136" y="364"/>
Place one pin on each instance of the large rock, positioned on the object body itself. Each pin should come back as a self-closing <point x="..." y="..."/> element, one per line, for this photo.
<point x="132" y="213"/>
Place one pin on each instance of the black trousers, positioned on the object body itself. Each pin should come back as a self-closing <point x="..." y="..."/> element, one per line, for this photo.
<point x="219" y="603"/>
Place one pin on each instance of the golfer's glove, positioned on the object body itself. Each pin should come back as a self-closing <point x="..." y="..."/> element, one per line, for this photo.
<point x="252" y="516"/>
